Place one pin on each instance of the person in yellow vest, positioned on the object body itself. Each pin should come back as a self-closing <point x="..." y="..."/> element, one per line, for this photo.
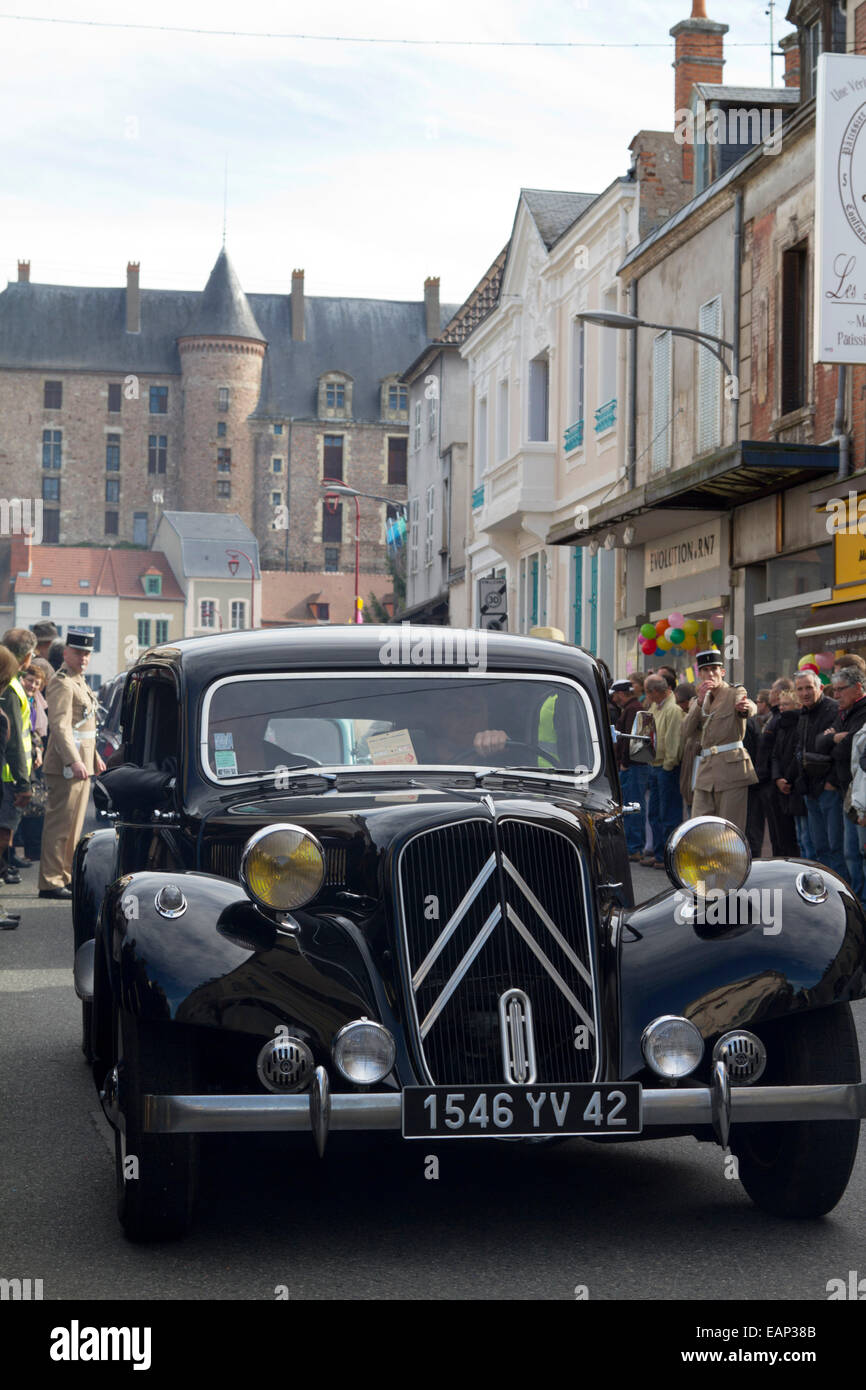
<point x="546" y="724"/>
<point x="69" y="764"/>
<point x="21" y="642"/>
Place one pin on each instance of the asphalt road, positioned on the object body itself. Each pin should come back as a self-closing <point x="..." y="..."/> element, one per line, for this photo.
<point x="502" y="1221"/>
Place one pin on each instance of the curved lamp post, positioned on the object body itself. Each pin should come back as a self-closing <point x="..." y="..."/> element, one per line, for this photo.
<point x="610" y="319"/>
<point x="234" y="561"/>
<point x="334" y="488"/>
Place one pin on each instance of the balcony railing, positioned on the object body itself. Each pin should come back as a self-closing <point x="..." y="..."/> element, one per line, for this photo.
<point x="478" y="498"/>
<point x="574" y="436"/>
<point x="605" y="416"/>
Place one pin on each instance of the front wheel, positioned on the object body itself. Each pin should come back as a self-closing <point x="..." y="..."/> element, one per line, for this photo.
<point x="156" y="1173"/>
<point x="802" y="1169"/>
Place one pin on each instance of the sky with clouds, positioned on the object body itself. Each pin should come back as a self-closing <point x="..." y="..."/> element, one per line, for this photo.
<point x="369" y="165"/>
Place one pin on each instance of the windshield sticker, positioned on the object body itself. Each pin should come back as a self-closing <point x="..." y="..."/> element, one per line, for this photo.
<point x="396" y="747"/>
<point x="223" y="740"/>
<point x="226" y="764"/>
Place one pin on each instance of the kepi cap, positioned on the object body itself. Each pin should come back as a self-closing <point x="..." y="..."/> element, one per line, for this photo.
<point x="709" y="658"/>
<point x="83" y="641"/>
<point x="622" y="687"/>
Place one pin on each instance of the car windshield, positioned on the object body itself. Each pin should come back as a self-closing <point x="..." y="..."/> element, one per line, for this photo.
<point x="263" y="723"/>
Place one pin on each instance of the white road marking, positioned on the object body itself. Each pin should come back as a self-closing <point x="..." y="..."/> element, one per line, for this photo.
<point x="21" y="981"/>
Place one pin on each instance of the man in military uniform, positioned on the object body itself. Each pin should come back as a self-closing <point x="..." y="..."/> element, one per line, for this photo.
<point x="723" y="768"/>
<point x="70" y="762"/>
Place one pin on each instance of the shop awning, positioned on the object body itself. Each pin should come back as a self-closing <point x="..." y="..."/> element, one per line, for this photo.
<point x="723" y="480"/>
<point x="836" y="625"/>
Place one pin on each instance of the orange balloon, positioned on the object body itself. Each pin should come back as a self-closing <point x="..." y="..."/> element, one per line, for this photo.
<point x="661" y="626"/>
<point x="691" y="642"/>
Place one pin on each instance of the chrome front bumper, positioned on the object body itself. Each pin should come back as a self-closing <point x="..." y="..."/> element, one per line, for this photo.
<point x="718" y="1105"/>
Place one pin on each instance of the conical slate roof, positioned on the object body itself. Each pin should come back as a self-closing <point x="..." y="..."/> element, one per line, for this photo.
<point x="223" y="310"/>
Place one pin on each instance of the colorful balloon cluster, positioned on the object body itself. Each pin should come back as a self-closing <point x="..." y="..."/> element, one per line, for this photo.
<point x="819" y="662"/>
<point x="677" y="631"/>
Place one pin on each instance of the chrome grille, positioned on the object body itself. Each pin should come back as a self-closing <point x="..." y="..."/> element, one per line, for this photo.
<point x="481" y="918"/>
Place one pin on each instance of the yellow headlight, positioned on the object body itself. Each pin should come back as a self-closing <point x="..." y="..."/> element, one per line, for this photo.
<point x="283" y="867"/>
<point x="707" y="853"/>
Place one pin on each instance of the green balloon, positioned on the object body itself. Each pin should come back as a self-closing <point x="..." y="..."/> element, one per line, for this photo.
<point x="717" y="636"/>
<point x="648" y="630"/>
<point x="823" y="678"/>
<point x="677" y="636"/>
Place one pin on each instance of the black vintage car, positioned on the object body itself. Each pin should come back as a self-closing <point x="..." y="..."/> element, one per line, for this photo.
<point x="369" y="878"/>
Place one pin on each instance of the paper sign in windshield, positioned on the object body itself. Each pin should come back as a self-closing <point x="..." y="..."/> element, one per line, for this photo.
<point x="396" y="747"/>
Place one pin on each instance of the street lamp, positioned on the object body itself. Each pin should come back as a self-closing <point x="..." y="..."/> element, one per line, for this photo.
<point x="338" y="489"/>
<point x="610" y="319"/>
<point x="234" y="562"/>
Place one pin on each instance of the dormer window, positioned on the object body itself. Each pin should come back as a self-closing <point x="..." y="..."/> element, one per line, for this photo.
<point x="335" y="396"/>
<point x="395" y="400"/>
<point x="153" y="584"/>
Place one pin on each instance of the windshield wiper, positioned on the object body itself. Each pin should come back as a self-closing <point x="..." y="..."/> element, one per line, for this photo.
<point x="580" y="778"/>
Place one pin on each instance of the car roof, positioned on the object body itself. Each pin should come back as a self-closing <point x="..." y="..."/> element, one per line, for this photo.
<point x="366" y="646"/>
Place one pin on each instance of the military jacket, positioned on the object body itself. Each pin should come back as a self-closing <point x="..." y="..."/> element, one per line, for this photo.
<point x="72" y="708"/>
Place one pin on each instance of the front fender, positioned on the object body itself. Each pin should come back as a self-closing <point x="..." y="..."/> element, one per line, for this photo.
<point x="798" y="956"/>
<point x="223" y="964"/>
<point x="93" y="869"/>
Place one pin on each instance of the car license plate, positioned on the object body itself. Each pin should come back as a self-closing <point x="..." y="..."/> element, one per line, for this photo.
<point x="485" y="1112"/>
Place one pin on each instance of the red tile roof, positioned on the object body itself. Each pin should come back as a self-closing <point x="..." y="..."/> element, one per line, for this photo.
<point x="109" y="571"/>
<point x="288" y="597"/>
<point x="480" y="303"/>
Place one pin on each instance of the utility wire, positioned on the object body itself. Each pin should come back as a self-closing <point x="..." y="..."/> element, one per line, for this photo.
<point x="342" y="38"/>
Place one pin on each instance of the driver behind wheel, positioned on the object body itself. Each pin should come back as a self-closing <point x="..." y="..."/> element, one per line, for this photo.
<point x="454" y="730"/>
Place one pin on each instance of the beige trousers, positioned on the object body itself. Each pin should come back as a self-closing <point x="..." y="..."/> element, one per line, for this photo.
<point x="61" y="831"/>
<point x="732" y="804"/>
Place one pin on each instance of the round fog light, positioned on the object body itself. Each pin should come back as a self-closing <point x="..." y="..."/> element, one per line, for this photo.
<point x="364" y="1052"/>
<point x="672" y="1046"/>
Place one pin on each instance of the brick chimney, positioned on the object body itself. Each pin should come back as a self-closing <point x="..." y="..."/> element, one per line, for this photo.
<point x="699" y="57"/>
<point x="133" y="298"/>
<point x="431" y="306"/>
<point x="24" y="271"/>
<point x="298" y="331"/>
<point x="790" y="46"/>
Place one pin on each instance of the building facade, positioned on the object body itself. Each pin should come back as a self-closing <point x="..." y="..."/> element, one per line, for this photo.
<point x="437" y="590"/>
<point x="116" y="406"/>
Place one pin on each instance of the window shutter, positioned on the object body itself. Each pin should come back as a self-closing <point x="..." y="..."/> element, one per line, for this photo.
<point x="661" y="411"/>
<point x="709" y="379"/>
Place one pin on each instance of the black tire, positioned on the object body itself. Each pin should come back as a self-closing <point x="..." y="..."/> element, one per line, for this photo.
<point x="86" y="1031"/>
<point x="802" y="1169"/>
<point x="157" y="1204"/>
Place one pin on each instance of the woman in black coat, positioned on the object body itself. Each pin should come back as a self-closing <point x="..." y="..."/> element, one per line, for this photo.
<point x="786" y="771"/>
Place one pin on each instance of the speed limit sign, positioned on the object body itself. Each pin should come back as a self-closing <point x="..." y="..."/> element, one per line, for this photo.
<point x="492" y="604"/>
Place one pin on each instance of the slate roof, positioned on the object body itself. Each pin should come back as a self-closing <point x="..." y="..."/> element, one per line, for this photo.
<point x="108" y="572"/>
<point x="756" y="96"/>
<point x="367" y="338"/>
<point x="64" y="327"/>
<point x="206" y="536"/>
<point x="223" y="308"/>
<point x="553" y="212"/>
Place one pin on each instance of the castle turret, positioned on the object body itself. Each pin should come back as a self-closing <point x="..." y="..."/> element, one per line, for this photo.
<point x="221" y="354"/>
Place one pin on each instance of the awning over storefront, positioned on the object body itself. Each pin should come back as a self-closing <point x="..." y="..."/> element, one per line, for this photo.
<point x="836" y="626"/>
<point x="432" y="612"/>
<point x="726" y="479"/>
